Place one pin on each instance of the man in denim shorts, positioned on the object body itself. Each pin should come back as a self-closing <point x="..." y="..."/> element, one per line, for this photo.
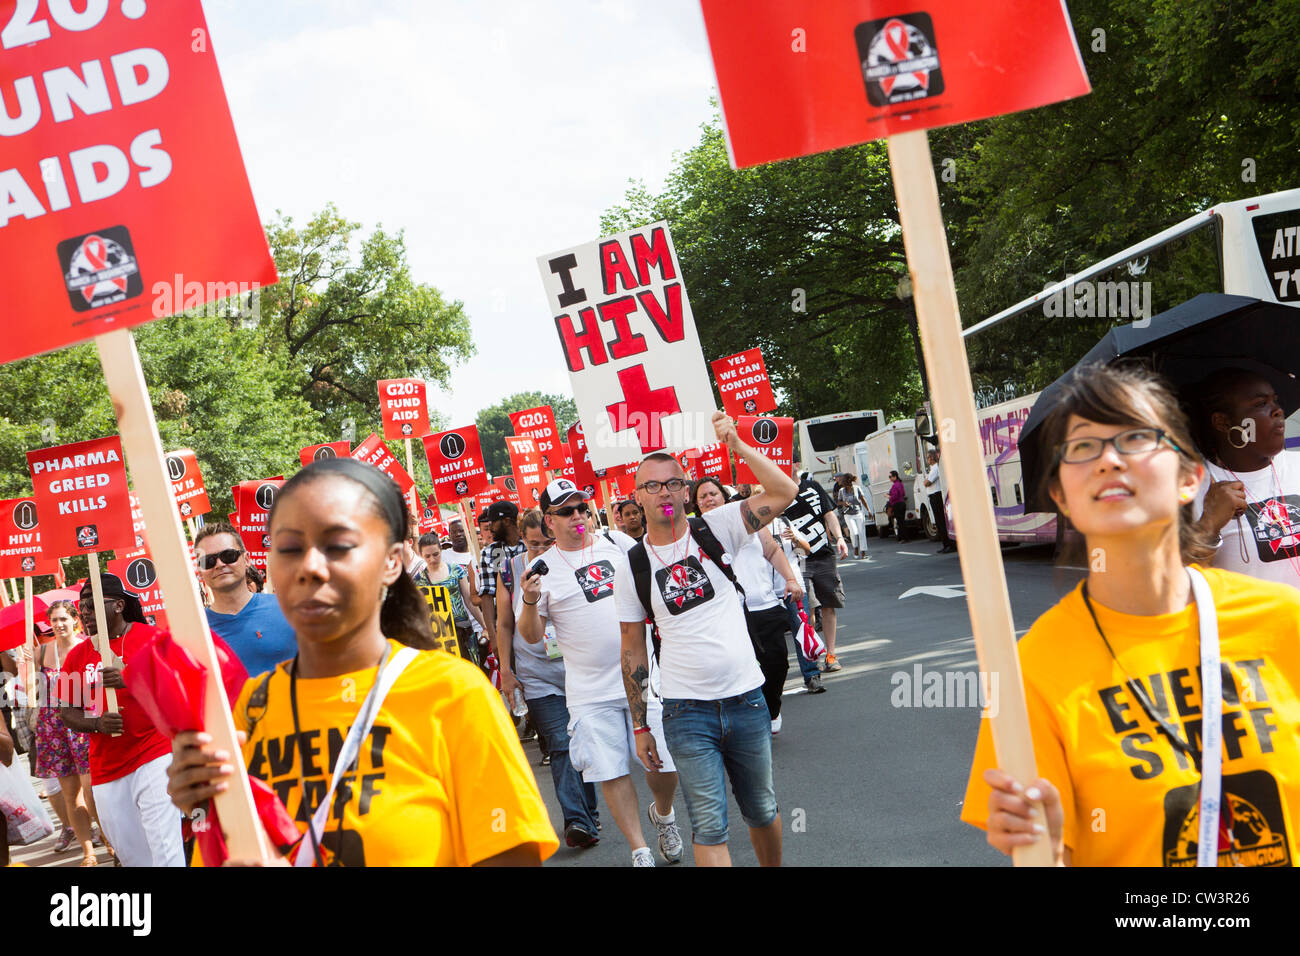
<point x="715" y="719"/>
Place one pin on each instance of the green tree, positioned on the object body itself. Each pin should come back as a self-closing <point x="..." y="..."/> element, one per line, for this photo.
<point x="494" y="424"/>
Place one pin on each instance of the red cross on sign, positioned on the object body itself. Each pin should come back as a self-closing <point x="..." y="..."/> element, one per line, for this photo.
<point x="642" y="407"/>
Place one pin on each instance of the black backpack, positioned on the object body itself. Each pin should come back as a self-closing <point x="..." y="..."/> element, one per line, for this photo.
<point x="638" y="560"/>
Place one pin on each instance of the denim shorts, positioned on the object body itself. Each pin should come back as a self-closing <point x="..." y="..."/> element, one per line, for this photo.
<point x="712" y="740"/>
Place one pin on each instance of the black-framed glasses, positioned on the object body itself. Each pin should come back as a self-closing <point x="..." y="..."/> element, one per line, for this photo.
<point x="228" y="556"/>
<point x="1135" y="441"/>
<point x="568" y="511"/>
<point x="672" y="484"/>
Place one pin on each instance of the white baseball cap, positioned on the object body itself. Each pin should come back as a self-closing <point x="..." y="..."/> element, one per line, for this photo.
<point x="559" y="491"/>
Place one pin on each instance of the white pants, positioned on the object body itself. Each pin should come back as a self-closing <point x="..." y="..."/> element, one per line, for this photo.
<point x="138" y="817"/>
<point x="855" y="536"/>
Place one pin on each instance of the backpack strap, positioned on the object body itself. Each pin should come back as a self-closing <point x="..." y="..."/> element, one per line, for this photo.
<point x="639" y="561"/>
<point x="255" y="706"/>
<point x="712" y="549"/>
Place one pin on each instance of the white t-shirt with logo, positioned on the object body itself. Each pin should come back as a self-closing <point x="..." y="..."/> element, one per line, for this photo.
<point x="578" y="599"/>
<point x="705" y="652"/>
<point x="464" y="559"/>
<point x="1269" y="532"/>
<point x="539" y="673"/>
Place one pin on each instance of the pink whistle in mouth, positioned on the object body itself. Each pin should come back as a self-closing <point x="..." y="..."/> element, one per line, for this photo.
<point x="668" y="511"/>
<point x="580" y="528"/>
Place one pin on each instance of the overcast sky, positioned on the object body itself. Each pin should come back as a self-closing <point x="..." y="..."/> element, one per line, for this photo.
<point x="490" y="132"/>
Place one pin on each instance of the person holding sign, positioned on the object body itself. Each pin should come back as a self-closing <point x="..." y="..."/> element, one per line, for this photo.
<point x="1140" y="762"/>
<point x="128" y="756"/>
<point x="716" y="721"/>
<point x="576" y="597"/>
<point x="436" y="776"/>
<point x="455" y="578"/>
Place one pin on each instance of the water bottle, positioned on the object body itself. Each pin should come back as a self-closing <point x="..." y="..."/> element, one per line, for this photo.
<point x="520" y="706"/>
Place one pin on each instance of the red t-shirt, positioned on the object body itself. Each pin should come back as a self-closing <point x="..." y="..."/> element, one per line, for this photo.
<point x="112" y="757"/>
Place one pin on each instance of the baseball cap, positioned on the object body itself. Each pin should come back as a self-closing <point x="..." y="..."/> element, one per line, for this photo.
<point x="113" y="590"/>
<point x="502" y="509"/>
<point x="560" y="491"/>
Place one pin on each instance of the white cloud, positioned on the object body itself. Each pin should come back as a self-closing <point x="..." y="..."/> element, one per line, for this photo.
<point x="490" y="133"/>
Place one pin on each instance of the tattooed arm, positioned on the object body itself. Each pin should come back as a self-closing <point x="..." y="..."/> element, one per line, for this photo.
<point x="636" y="684"/>
<point x="779" y="488"/>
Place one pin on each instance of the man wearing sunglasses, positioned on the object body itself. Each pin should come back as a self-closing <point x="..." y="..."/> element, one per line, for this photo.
<point x="252" y="624"/>
<point x="576" y="596"/>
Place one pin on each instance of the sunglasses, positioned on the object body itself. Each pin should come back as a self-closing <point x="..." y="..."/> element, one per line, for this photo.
<point x="229" y="556"/>
<point x="568" y="511"/>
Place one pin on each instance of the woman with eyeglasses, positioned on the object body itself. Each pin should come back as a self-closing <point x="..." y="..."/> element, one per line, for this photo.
<point x="1139" y="762"/>
<point x="1249" y="505"/>
<point x="434" y="774"/>
<point x="250" y="622"/>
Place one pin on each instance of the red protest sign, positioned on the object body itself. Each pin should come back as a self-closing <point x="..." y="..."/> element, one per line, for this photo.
<point x="456" y="463"/>
<point x="526" y="464"/>
<point x="539" y="425"/>
<point x="797" y="78"/>
<point x="505" y="488"/>
<point x="108" y="172"/>
<point x="404" y="407"/>
<point x="584" y="476"/>
<point x="715" y="460"/>
<point x="137" y="525"/>
<point x="565" y="469"/>
<point x="493" y="492"/>
<point x="687" y="460"/>
<point x="622" y="481"/>
<point x="20" y="540"/>
<point x="329" y="449"/>
<point x="373" y="451"/>
<point x="743" y="384"/>
<point x="774" y="437"/>
<point x="253" y="502"/>
<point x="187" y="483"/>
<point x="141" y="579"/>
<point x="81" y="494"/>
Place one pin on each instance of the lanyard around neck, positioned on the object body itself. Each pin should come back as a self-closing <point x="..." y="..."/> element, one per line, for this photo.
<point x="1210" y="759"/>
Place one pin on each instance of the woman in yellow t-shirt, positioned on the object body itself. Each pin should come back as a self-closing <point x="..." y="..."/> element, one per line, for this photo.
<point x="440" y="778"/>
<point x="1112" y="672"/>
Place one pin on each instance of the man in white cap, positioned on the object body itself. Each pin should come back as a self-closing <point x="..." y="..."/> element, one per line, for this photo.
<point x="575" y="593"/>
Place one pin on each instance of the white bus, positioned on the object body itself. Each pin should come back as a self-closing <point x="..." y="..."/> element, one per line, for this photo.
<point x="1247" y="247"/>
<point x="820" y="437"/>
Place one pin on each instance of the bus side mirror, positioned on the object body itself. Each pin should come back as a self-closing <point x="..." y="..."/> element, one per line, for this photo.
<point x="922" y="424"/>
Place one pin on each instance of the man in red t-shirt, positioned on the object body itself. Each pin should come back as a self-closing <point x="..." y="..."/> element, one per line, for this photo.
<point x="128" y="772"/>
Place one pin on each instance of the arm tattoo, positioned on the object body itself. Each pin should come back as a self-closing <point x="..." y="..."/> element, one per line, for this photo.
<point x="635" y="684"/>
<point x="755" y="519"/>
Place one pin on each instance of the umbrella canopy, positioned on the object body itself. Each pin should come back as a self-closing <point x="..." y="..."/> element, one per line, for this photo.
<point x="13" y="619"/>
<point x="1185" y="344"/>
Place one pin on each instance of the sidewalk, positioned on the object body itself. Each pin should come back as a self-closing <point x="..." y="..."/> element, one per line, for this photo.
<point x="41" y="853"/>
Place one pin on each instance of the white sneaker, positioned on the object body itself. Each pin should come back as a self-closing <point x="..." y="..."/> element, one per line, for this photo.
<point x="670" y="838"/>
<point x="776" y="725"/>
<point x="643" y="857"/>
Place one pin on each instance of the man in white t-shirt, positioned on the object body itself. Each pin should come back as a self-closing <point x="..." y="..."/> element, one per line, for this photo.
<point x="576" y="596"/>
<point x="715" y="716"/>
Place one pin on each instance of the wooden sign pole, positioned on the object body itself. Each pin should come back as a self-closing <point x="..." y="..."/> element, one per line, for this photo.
<point x="5" y="599"/>
<point x="410" y="470"/>
<point x="117" y="354"/>
<point x="609" y="504"/>
<point x="471" y="529"/>
<point x="32" y="677"/>
<point x="963" y="461"/>
<point x="106" y="655"/>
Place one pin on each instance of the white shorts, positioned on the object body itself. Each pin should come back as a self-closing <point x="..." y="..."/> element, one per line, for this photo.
<point x="602" y="744"/>
<point x="139" y="818"/>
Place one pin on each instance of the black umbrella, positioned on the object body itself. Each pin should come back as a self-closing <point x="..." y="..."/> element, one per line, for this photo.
<point x="1185" y="344"/>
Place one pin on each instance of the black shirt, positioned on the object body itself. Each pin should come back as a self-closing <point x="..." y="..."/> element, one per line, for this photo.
<point x="807" y="515"/>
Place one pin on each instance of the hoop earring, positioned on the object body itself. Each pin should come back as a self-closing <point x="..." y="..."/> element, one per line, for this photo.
<point x="1237" y="428"/>
<point x="383" y="593"/>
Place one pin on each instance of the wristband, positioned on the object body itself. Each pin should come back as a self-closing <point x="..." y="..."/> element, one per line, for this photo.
<point x="640" y="730"/>
<point x="530" y="603"/>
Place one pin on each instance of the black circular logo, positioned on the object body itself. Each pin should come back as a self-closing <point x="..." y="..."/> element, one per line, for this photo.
<point x="25" y="515"/>
<point x="589" y="489"/>
<point x="751" y="406"/>
<point x="266" y="542"/>
<point x="428" y="513"/>
<point x="462" y="488"/>
<point x="140" y="574"/>
<point x="764" y="431"/>
<point x="175" y="467"/>
<point x="186" y="509"/>
<point x="265" y="496"/>
<point x="323" y="452"/>
<point x="407" y="429"/>
<point x="29" y="563"/>
<point x="452" y="446"/>
<point x="510" y="484"/>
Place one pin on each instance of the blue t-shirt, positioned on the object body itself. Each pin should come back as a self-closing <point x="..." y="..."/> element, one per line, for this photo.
<point x="259" y="635"/>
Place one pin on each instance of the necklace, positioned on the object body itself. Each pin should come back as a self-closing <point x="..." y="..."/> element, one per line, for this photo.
<point x="686" y="547"/>
<point x="581" y="550"/>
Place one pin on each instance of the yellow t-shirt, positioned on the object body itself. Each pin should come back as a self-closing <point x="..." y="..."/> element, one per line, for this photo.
<point x="440" y="781"/>
<point x="1130" y="798"/>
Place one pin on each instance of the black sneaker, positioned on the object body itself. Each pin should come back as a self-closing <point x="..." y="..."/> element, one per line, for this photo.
<point x="814" y="684"/>
<point x="575" y="834"/>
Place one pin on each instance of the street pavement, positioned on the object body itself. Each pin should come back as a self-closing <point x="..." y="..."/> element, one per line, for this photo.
<point x="860" y="781"/>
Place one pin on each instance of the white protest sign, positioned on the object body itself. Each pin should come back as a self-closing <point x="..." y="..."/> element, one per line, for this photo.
<point x="625" y="327"/>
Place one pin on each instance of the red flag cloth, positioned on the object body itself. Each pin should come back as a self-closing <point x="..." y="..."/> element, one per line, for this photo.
<point x="812" y="645"/>
<point x="170" y="685"/>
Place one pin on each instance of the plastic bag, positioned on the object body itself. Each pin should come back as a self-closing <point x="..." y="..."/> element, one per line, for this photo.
<point x="810" y="640"/>
<point x="24" y="814"/>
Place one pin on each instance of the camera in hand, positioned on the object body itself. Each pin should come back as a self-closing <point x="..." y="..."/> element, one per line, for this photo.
<point x="539" y="568"/>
